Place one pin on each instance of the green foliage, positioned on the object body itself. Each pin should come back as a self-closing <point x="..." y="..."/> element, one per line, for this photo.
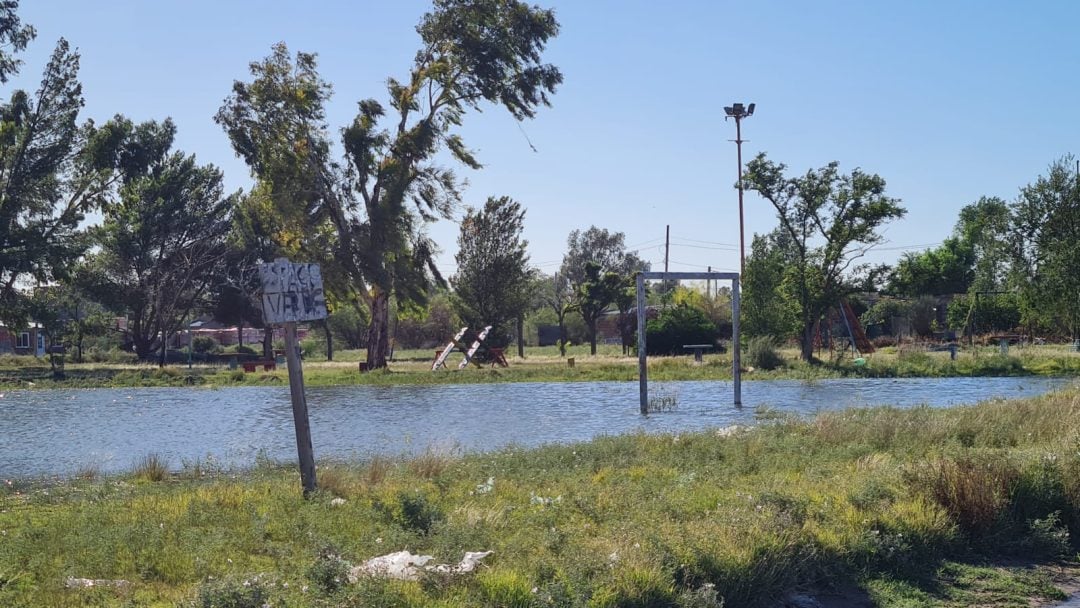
<point x="1046" y="238"/>
<point x="990" y="313"/>
<point x="884" y="312"/>
<point x="767" y="307"/>
<point x="233" y="592"/>
<point x="473" y="51"/>
<point x="162" y="236"/>
<point x="761" y="353"/>
<point x="330" y="572"/>
<point x="830" y="219"/>
<point x="491" y="286"/>
<point x="348" y="324"/>
<point x="677" y="326"/>
<point x="948" y="269"/>
<point x="52" y="171"/>
<point x="597" y="293"/>
<point x="14" y="36"/>
<point x="205" y="344"/>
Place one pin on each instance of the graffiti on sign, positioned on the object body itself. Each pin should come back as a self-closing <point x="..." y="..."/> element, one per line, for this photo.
<point x="291" y="292"/>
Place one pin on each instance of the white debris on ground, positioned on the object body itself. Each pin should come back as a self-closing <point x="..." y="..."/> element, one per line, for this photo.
<point x="337" y="502"/>
<point x="486" y="487"/>
<point x="403" y="565"/>
<point x="729" y="431"/>
<point x="84" y="583"/>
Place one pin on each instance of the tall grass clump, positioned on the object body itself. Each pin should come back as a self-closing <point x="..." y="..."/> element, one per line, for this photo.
<point x="151" y="467"/>
<point x="762" y="353"/>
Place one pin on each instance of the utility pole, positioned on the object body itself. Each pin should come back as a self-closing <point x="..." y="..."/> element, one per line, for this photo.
<point x="739" y="112"/>
<point x="667" y="245"/>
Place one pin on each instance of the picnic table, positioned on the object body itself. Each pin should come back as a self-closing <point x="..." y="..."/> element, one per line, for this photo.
<point x="267" y="365"/>
<point x="698" y="350"/>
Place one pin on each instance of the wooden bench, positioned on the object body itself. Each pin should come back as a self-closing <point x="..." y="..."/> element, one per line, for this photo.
<point x="267" y="365"/>
<point x="698" y="350"/>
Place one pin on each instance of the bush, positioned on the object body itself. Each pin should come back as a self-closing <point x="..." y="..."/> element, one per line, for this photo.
<point x="677" y="326"/>
<point x="205" y="344"/>
<point x="761" y="353"/>
<point x="233" y="592"/>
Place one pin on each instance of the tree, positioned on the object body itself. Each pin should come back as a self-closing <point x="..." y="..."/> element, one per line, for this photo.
<point x="832" y="221"/>
<point x="555" y="293"/>
<point x="491" y="284"/>
<point x="596" y="293"/>
<point x="14" y="35"/>
<point x="473" y="51"/>
<point x="767" y="306"/>
<point x="277" y="124"/>
<point x="162" y="236"/>
<point x="605" y="249"/>
<point x="52" y="171"/>
<point x="947" y="269"/>
<point x="984" y="226"/>
<point x="1046" y="243"/>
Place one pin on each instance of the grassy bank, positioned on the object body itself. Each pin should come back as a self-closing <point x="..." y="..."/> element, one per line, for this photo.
<point x="917" y="507"/>
<point x="545" y="365"/>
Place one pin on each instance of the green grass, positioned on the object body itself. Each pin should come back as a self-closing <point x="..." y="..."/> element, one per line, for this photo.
<point x="919" y="507"/>
<point x="545" y="365"/>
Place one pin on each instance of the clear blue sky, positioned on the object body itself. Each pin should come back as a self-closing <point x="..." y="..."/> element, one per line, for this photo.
<point x="948" y="101"/>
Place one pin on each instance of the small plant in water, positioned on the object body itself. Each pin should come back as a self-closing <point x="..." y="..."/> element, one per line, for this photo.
<point x="663" y="399"/>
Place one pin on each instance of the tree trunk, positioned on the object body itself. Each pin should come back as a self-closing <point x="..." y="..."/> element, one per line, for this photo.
<point x="239" y="335"/>
<point x="562" y="335"/>
<point x="592" y="337"/>
<point x="378" y="332"/>
<point x="268" y="342"/>
<point x="521" y="337"/>
<point x="807" y="341"/>
<point x="329" y="341"/>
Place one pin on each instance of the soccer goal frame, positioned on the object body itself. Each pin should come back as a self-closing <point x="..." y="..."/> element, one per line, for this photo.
<point x="643" y="370"/>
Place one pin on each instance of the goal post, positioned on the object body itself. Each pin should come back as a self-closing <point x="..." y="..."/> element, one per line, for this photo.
<point x="643" y="370"/>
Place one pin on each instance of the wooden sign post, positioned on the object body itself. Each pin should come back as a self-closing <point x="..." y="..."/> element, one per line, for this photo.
<point x="290" y="293"/>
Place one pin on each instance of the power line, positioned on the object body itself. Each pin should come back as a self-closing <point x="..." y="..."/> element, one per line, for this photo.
<point x="725" y="248"/>
<point x="705" y="242"/>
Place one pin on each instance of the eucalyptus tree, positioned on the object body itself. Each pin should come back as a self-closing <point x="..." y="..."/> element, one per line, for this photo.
<point x="473" y="53"/>
<point x="832" y="221"/>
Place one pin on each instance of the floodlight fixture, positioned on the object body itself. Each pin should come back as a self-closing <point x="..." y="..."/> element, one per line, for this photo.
<point x="739" y="111"/>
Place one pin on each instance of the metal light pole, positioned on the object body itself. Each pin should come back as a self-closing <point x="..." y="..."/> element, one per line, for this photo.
<point x="739" y="112"/>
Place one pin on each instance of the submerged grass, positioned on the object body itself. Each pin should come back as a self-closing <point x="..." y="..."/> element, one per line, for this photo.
<point x="926" y="507"/>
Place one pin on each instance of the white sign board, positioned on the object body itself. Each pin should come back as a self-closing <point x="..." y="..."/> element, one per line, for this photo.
<point x="291" y="292"/>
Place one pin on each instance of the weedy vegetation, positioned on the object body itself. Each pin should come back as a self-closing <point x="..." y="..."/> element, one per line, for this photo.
<point x="918" y="507"/>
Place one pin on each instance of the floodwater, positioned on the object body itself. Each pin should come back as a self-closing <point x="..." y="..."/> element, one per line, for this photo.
<point x="56" y="432"/>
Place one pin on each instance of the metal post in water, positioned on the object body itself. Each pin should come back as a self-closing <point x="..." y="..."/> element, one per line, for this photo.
<point x="643" y="370"/>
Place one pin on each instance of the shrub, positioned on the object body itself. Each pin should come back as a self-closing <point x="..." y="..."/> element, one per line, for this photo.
<point x="761" y="353"/>
<point x="205" y="344"/>
<point x="329" y="572"/>
<point x="233" y="592"/>
<point x="677" y="326"/>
